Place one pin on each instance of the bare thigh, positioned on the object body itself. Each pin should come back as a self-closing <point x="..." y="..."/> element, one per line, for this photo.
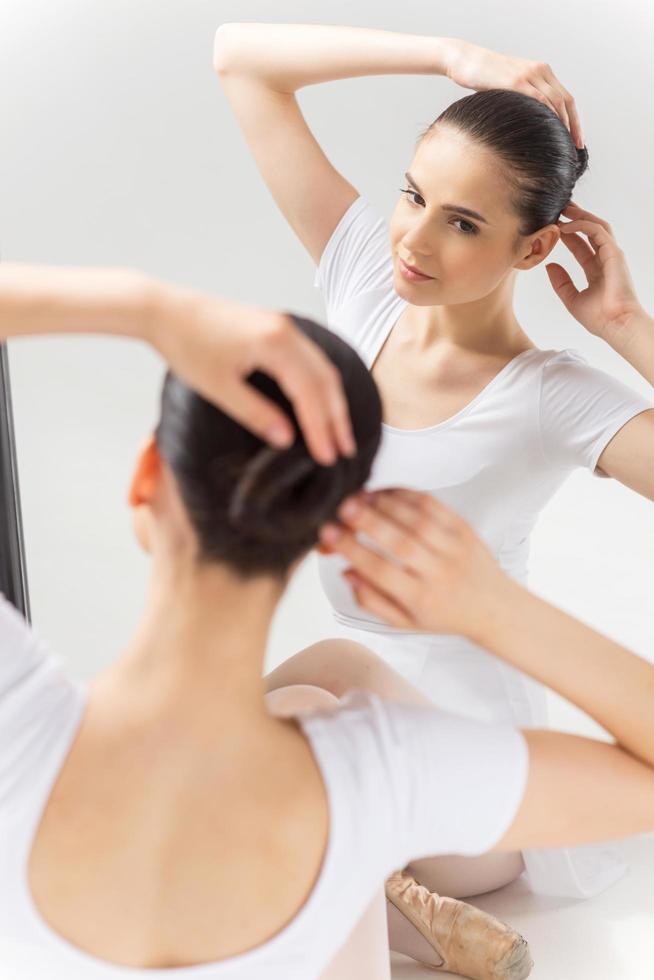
<point x="337" y="666"/>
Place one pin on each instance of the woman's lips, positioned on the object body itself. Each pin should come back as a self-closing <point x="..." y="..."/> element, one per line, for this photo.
<point x="412" y="274"/>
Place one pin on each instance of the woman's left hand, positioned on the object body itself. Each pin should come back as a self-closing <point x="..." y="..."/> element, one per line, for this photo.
<point x="473" y="66"/>
<point x="609" y="301"/>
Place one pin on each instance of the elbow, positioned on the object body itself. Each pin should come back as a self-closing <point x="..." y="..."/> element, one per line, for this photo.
<point x="223" y="47"/>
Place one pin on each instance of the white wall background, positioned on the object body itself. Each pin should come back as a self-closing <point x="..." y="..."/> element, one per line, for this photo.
<point x="119" y="148"/>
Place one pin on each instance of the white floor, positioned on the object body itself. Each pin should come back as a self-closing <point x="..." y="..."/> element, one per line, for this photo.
<point x="610" y="937"/>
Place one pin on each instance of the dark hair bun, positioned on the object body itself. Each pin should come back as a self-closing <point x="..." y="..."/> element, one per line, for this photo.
<point x="253" y="507"/>
<point x="282" y="494"/>
<point x="582" y="161"/>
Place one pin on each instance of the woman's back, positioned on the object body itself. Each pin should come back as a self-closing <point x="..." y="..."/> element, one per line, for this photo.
<point x="157" y="851"/>
<point x="147" y="851"/>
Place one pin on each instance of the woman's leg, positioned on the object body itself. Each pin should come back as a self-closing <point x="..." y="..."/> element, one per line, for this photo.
<point x="365" y="953"/>
<point x="462" y="877"/>
<point x="339" y="665"/>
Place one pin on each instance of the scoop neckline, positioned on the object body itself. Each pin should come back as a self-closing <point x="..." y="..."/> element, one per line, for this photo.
<point x="470" y="405"/>
<point x="243" y="960"/>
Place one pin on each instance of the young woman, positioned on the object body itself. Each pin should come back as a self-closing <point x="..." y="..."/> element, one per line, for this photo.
<point x="161" y="821"/>
<point x="473" y="411"/>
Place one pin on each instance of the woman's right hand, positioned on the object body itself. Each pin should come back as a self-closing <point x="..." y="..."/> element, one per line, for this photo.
<point x="211" y="343"/>
<point x="473" y="66"/>
<point x="214" y="343"/>
<point x="434" y="574"/>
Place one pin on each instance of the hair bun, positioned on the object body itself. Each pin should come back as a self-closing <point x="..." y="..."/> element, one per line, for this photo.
<point x="280" y="491"/>
<point x="254" y="508"/>
<point x="582" y="160"/>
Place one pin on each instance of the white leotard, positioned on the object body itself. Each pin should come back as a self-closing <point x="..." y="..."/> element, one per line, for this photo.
<point x="391" y="798"/>
<point x="499" y="460"/>
<point x="496" y="462"/>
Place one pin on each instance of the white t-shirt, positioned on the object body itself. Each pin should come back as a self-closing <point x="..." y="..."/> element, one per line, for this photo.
<point x="497" y="461"/>
<point x="402" y="782"/>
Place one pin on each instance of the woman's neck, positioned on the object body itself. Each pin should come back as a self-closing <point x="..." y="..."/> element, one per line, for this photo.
<point x="484" y="326"/>
<point x="196" y="659"/>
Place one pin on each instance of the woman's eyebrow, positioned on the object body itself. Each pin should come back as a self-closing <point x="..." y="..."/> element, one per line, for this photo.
<point x="449" y="207"/>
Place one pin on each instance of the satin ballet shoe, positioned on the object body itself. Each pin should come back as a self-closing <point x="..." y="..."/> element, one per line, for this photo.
<point x="466" y="940"/>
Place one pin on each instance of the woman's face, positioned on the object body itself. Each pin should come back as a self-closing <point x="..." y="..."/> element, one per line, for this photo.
<point x="466" y="256"/>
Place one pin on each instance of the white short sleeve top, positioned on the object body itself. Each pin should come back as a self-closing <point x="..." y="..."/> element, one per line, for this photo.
<point x="497" y="461"/>
<point x="401" y="781"/>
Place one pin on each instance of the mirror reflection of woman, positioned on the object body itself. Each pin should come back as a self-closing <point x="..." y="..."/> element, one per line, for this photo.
<point x="169" y="818"/>
<point x="474" y="412"/>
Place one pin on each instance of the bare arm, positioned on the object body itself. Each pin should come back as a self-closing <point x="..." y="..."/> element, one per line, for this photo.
<point x="434" y="574"/>
<point x="579" y="789"/>
<point x="262" y="66"/>
<point x="286" y="57"/>
<point x="610" y="683"/>
<point x="609" y="308"/>
<point x="49" y="299"/>
<point x="637" y="346"/>
<point x="629" y="456"/>
<point x="210" y="342"/>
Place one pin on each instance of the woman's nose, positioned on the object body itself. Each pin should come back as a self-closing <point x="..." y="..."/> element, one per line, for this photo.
<point x="417" y="239"/>
<point x="417" y="245"/>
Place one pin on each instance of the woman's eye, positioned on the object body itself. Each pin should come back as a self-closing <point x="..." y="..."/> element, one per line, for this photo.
<point x="472" y="229"/>
<point x="408" y="191"/>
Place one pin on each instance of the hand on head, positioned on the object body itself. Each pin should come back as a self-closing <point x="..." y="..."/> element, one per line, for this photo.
<point x="476" y="67"/>
<point x="609" y="300"/>
<point x="213" y="344"/>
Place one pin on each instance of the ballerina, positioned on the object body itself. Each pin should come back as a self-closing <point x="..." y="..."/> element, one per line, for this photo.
<point x="473" y="411"/>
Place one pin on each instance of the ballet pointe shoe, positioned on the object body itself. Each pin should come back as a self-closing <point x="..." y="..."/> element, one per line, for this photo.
<point x="467" y="940"/>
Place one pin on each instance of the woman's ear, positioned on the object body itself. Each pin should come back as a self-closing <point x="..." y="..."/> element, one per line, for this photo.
<point x="146" y="475"/>
<point x="142" y="490"/>
<point x="540" y="247"/>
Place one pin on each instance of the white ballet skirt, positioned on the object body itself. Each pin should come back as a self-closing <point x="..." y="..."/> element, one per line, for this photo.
<point x="496" y="462"/>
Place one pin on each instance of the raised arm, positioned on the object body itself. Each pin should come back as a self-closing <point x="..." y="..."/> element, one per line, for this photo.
<point x="433" y="573"/>
<point x="629" y="456"/>
<point x="609" y="308"/>
<point x="262" y="66"/>
<point x="210" y="342"/>
<point x="571" y="776"/>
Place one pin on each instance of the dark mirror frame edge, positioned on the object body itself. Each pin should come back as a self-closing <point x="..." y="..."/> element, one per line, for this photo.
<point x="13" y="569"/>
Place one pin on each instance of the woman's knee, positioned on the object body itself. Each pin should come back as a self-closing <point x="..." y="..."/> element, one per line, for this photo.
<point x="348" y="664"/>
<point x="334" y="664"/>
<point x="297" y="699"/>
